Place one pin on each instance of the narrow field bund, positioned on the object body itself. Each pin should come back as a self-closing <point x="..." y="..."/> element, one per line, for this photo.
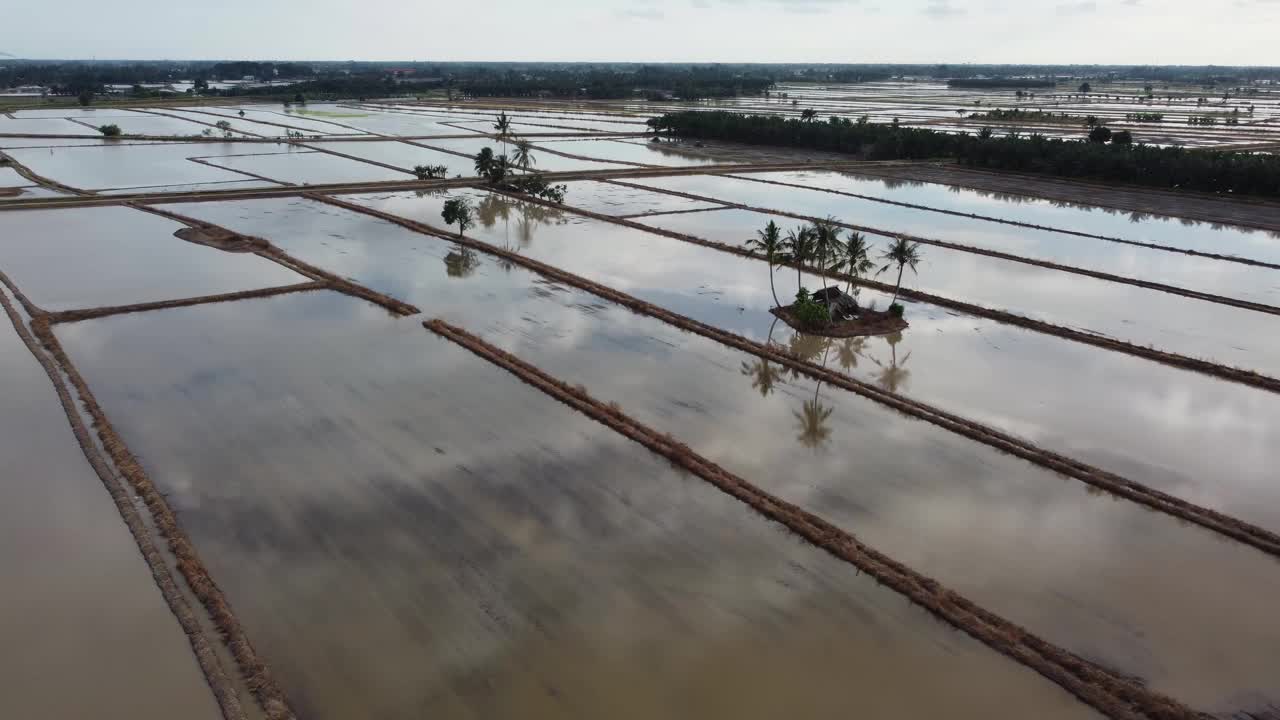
<point x="65" y="316"/>
<point x="1226" y="525"/>
<point x="255" y="673"/>
<point x="1208" y="367"/>
<point x="206" y="656"/>
<point x="320" y="275"/>
<point x="1111" y="695"/>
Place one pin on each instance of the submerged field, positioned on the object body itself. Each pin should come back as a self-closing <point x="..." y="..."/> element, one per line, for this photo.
<point x="612" y="482"/>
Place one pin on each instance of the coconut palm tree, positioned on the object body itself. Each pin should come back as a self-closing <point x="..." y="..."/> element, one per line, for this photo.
<point x="769" y="242"/>
<point x="904" y="254"/>
<point x="523" y="156"/>
<point x="826" y="246"/>
<point x="799" y="246"/>
<point x="503" y="128"/>
<point x="856" y="260"/>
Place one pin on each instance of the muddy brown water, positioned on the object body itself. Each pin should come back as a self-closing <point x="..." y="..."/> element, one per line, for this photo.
<point x="1074" y="566"/>
<point x="89" y="257"/>
<point x="85" y="630"/>
<point x="1170" y="429"/>
<point x="404" y="530"/>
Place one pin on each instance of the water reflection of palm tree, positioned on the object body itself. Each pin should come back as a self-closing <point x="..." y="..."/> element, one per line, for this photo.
<point x="813" y="416"/>
<point x="849" y="350"/>
<point x="806" y="347"/>
<point x="894" y="375"/>
<point x="763" y="374"/>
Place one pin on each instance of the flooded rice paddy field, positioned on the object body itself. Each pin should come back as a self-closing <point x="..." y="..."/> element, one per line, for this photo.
<point x="300" y="167"/>
<point x="1006" y="376"/>
<point x="398" y="564"/>
<point x="889" y="479"/>
<point x="1193" y="327"/>
<point x="105" y="256"/>
<point x="108" y="166"/>
<point x="403" y="527"/>
<point x="79" y="607"/>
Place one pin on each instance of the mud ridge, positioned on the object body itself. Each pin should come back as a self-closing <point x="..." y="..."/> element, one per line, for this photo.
<point x="1208" y="367"/>
<point x="254" y="670"/>
<point x="1111" y="695"/>
<point x="1019" y="223"/>
<point x="1212" y="520"/>
<point x="266" y="249"/>
<point x="66" y="316"/>
<point x="40" y="180"/>
<point x="206" y="657"/>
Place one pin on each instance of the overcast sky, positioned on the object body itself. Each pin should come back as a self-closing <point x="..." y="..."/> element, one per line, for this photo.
<point x="1220" y="32"/>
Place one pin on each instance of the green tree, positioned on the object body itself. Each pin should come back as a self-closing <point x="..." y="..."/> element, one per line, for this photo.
<point x="426" y="172"/>
<point x="808" y="115"/>
<point x="769" y="241"/>
<point x="112" y="130"/>
<point x="1100" y="134"/>
<point x="485" y="160"/>
<point x="1122" y="137"/>
<point x="85" y="97"/>
<point x="224" y="126"/>
<point x="1086" y="87"/>
<point x="904" y="254"/>
<point x="457" y="211"/>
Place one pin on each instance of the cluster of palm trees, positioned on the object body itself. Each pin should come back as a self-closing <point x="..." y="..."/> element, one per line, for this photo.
<point x="823" y="246"/>
<point x="495" y="168"/>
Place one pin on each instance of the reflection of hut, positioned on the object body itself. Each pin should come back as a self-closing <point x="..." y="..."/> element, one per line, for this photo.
<point x="840" y="303"/>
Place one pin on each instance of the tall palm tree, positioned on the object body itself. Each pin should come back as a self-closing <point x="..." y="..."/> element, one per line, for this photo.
<point x="857" y="260"/>
<point x="904" y="254"/>
<point x="769" y="241"/>
<point x="503" y="128"/>
<point x="799" y="246"/>
<point x="523" y="156"/>
<point x="826" y="245"/>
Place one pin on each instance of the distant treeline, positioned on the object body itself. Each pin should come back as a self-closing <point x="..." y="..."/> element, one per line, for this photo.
<point x="1163" y="167"/>
<point x="74" y="77"/>
<point x="999" y="83"/>
<point x="661" y="75"/>
<point x="649" y="81"/>
<point x="259" y="70"/>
